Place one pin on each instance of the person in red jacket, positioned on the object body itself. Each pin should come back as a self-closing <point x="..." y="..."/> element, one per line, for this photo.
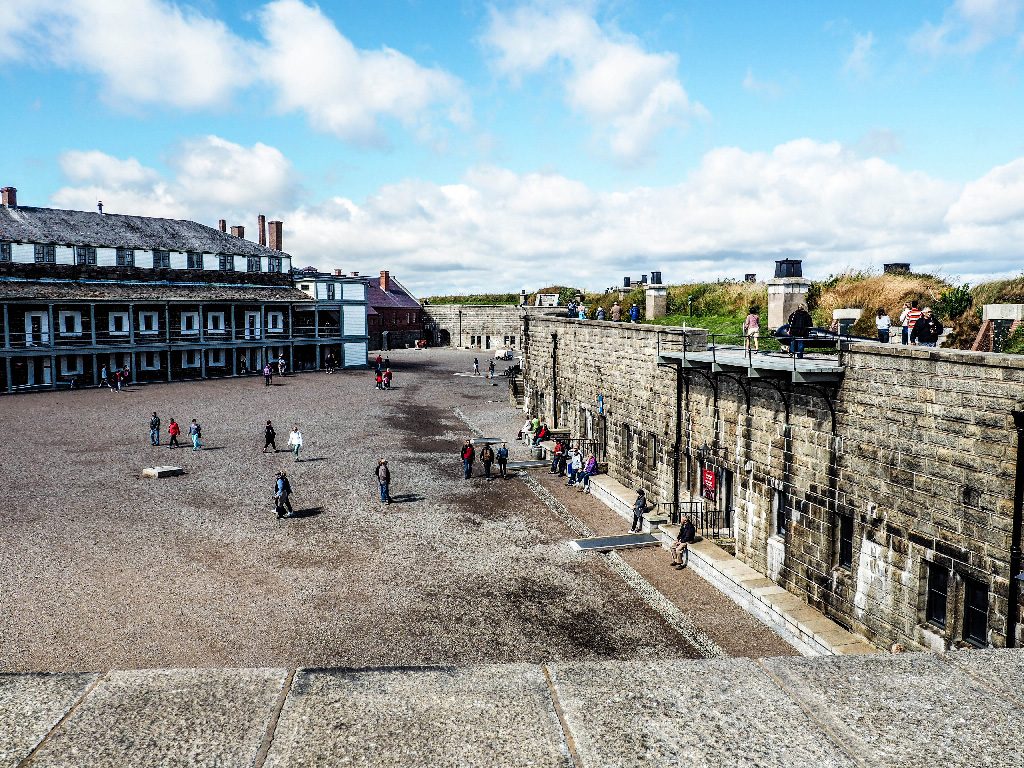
<point x="173" y="430"/>
<point x="468" y="456"/>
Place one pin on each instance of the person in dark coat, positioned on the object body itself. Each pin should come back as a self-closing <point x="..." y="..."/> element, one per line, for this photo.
<point x="926" y="330"/>
<point x="282" y="494"/>
<point x="269" y="436"/>
<point x="384" y="481"/>
<point x="640" y="506"/>
<point x="502" y="456"/>
<point x="487" y="457"/>
<point x="800" y="323"/>
<point x="687" y="535"/>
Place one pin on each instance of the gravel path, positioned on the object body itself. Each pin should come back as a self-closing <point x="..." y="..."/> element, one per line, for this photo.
<point x="100" y="568"/>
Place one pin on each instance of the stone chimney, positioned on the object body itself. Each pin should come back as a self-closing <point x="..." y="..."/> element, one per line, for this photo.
<point x="261" y="222"/>
<point x="355" y="274"/>
<point x="238" y="231"/>
<point x="385" y="280"/>
<point x="276" y="238"/>
<point x="9" y="197"/>
<point x="339" y="273"/>
<point x="222" y="225"/>
<point x="786" y="291"/>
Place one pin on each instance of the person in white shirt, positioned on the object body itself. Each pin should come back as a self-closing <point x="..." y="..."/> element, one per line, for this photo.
<point x="882" y="324"/>
<point x="295" y="442"/>
<point x="903" y="322"/>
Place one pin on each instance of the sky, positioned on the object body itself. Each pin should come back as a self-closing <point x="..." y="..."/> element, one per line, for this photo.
<point x="472" y="147"/>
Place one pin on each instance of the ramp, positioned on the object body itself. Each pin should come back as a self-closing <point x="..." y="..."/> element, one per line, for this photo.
<point x="608" y="543"/>
<point x="531" y="464"/>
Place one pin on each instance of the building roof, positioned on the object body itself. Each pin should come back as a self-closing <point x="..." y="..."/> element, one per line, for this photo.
<point x="26" y="224"/>
<point x="398" y="297"/>
<point x="87" y="291"/>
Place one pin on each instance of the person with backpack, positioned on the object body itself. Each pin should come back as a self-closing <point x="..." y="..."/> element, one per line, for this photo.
<point x="173" y="430"/>
<point x="384" y="481"/>
<point x="468" y="456"/>
<point x="502" y="456"/>
<point x="269" y="437"/>
<point x="196" y="433"/>
<point x="154" y="429"/>
<point x="487" y="457"/>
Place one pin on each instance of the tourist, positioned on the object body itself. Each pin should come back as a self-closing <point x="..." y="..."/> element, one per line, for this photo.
<point x="575" y="467"/>
<point x="634" y="314"/>
<point x="525" y="431"/>
<point x="616" y="312"/>
<point x="640" y="507"/>
<point x="582" y="314"/>
<point x="556" y="456"/>
<point x="269" y="437"/>
<point x="589" y="470"/>
<point x="329" y="362"/>
<point x="384" y="481"/>
<point x="282" y="366"/>
<point x="103" y="378"/>
<point x="243" y="367"/>
<point x="490" y="370"/>
<point x="543" y="433"/>
<point x="117" y="379"/>
<point x="882" y="325"/>
<point x="378" y="377"/>
<point x="751" y="330"/>
<point x="487" y="457"/>
<point x="926" y="330"/>
<point x="173" y="430"/>
<point x="687" y="534"/>
<point x="599" y="315"/>
<point x="386" y="378"/>
<point x="195" y="432"/>
<point x="468" y="456"/>
<point x="387" y="363"/>
<point x="282" y="495"/>
<point x="476" y="367"/>
<point x="127" y="376"/>
<point x="534" y="428"/>
<point x="903" y="322"/>
<point x="295" y="441"/>
<point x="268" y="375"/>
<point x="378" y="364"/>
<point x="154" y="429"/>
<point x="800" y="323"/>
<point x="502" y="456"/>
<point x="913" y="315"/>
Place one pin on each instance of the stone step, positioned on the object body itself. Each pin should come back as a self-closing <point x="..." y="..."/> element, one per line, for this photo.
<point x="163" y="471"/>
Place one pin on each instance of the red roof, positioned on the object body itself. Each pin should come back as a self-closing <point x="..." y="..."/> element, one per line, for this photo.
<point x="397" y="297"/>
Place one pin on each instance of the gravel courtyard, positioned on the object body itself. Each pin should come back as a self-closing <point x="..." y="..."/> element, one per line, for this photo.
<point x="100" y="568"/>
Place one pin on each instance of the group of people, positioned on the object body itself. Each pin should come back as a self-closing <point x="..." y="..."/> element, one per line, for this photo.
<point x="566" y="461"/>
<point x="294" y="439"/>
<point x="382" y="374"/>
<point x="115" y="380"/>
<point x="488" y="456"/>
<point x="534" y="431"/>
<point x="195" y="433"/>
<point x="920" y="326"/>
<point x="579" y="312"/>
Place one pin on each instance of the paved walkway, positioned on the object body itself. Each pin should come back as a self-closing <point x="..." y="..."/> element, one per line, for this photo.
<point x="963" y="709"/>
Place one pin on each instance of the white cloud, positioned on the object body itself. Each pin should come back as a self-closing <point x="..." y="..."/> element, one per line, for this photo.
<point x="155" y="52"/>
<point x="343" y="90"/>
<point x="210" y="178"/>
<point x="630" y="96"/>
<point x="967" y="26"/>
<point x="760" y="87"/>
<point x="495" y="229"/>
<point x="858" y="60"/>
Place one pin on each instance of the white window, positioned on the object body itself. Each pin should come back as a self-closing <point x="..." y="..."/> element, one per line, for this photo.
<point x="149" y="322"/>
<point x="190" y="359"/>
<point x="305" y="287"/>
<point x="71" y="365"/>
<point x="190" y="322"/>
<point x="215" y="322"/>
<point x="70" y="323"/>
<point x="215" y="358"/>
<point x="118" y="323"/>
<point x="275" y="322"/>
<point x="149" y="361"/>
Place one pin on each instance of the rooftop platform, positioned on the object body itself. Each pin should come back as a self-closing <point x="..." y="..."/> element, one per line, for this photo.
<point x="813" y="368"/>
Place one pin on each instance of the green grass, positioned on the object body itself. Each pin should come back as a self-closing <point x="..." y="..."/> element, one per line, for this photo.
<point x="729" y="327"/>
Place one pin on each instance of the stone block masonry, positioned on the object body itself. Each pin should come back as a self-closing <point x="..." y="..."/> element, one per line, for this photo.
<point x="477" y="326"/>
<point x="884" y="501"/>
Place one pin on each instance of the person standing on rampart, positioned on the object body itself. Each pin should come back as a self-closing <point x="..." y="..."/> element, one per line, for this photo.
<point x="616" y="312"/>
<point x="751" y="330"/>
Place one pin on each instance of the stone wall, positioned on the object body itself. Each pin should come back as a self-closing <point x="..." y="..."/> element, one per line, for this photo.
<point x="916" y="466"/>
<point x="480" y="326"/>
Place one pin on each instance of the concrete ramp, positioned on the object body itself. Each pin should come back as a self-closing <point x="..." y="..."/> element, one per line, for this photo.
<point x="608" y="543"/>
<point x="530" y="464"/>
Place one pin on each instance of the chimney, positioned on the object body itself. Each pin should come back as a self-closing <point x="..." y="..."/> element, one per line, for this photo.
<point x="276" y="235"/>
<point x="238" y="231"/>
<point x="355" y="274"/>
<point x="385" y="280"/>
<point x="99" y="207"/>
<point x="222" y="225"/>
<point x="339" y="273"/>
<point x="9" y="197"/>
<point x="261" y="221"/>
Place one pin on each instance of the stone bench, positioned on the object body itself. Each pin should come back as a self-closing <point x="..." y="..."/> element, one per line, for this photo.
<point x="164" y="471"/>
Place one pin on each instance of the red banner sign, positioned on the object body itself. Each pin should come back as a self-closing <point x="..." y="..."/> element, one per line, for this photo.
<point x="708" y="483"/>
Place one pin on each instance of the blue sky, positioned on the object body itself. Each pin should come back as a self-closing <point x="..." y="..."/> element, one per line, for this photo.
<point x="472" y="146"/>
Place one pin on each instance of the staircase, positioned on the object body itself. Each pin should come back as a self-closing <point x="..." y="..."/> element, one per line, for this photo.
<point x="517" y="390"/>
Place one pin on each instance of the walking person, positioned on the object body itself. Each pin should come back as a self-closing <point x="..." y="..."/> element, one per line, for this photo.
<point x="384" y="481"/>
<point x="751" y="330"/>
<point x="282" y="495"/>
<point x="378" y="377"/>
<point x="268" y="375"/>
<point x="640" y="507"/>
<point x="927" y="330"/>
<point x="127" y="376"/>
<point x="154" y="429"/>
<point x="502" y="456"/>
<point x="800" y="323"/>
<point x="173" y="430"/>
<point x="616" y="312"/>
<point x="269" y="437"/>
<point x="103" y="378"/>
<point x="476" y="367"/>
<point x="487" y="457"/>
<point x="195" y="432"/>
<point x="468" y="456"/>
<point x="295" y="441"/>
<point x="282" y="366"/>
<point x="913" y="315"/>
<point x="117" y="378"/>
<point x="490" y="370"/>
<point x="882" y="325"/>
<point x="386" y="377"/>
